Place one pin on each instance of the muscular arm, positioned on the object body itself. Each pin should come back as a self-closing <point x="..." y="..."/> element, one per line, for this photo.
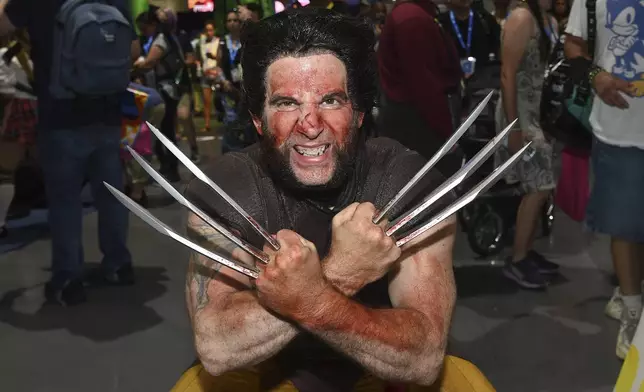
<point x="231" y="329"/>
<point x="406" y="343"/>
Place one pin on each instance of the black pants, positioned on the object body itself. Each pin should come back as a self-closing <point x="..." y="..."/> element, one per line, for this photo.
<point x="169" y="163"/>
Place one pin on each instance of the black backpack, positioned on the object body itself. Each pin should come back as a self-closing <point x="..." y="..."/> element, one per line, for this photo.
<point x="566" y="102"/>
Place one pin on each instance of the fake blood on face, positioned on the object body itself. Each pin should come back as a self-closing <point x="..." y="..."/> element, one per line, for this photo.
<point x="308" y="113"/>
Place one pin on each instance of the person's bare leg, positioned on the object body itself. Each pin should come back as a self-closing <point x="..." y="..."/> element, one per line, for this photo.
<point x="207" y="106"/>
<point x="627" y="260"/>
<point x="526" y="223"/>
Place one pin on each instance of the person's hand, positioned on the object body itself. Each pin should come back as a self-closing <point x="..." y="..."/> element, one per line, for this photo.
<point x="610" y="88"/>
<point x="139" y="62"/>
<point x="360" y="251"/>
<point x="292" y="281"/>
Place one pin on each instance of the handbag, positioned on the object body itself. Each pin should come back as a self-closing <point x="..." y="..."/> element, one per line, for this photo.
<point x="566" y="101"/>
<point x="573" y="189"/>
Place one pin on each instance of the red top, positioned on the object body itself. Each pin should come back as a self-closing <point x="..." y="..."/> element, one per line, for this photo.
<point x="418" y="63"/>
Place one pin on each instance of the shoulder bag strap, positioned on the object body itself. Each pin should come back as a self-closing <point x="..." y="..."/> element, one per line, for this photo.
<point x="592" y="26"/>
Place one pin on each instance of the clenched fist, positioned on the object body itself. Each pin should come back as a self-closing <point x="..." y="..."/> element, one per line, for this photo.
<point x="292" y="281"/>
<point x="360" y="251"/>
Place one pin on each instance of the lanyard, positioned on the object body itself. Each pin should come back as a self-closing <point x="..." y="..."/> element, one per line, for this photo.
<point x="457" y="30"/>
<point x="550" y="32"/>
<point x="147" y="45"/>
<point x="232" y="49"/>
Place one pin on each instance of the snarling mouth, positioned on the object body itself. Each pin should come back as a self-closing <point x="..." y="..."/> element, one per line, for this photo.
<point x="311" y="151"/>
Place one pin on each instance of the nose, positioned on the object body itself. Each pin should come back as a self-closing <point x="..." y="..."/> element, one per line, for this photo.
<point x="309" y="121"/>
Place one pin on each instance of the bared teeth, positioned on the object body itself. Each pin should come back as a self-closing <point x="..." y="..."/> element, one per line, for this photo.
<point x="311" y="152"/>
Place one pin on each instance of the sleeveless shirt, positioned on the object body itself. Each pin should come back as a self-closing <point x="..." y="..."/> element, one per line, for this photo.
<point x="382" y="167"/>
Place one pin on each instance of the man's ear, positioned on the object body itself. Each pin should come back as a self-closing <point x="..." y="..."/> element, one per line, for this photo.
<point x="360" y="119"/>
<point x="257" y="122"/>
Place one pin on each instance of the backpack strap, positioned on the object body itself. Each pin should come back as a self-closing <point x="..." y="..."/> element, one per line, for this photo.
<point x="584" y="89"/>
<point x="592" y="26"/>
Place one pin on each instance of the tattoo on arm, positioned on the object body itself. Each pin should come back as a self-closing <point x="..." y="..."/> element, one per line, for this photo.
<point x="202" y="270"/>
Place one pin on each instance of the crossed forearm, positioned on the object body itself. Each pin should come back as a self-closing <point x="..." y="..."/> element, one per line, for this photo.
<point x="393" y="344"/>
<point x="242" y="333"/>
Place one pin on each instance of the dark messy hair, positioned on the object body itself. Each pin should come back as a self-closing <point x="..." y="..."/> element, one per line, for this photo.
<point x="307" y="31"/>
<point x="255" y="8"/>
<point x="544" y="39"/>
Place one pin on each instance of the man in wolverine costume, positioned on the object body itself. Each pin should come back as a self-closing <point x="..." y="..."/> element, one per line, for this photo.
<point x="339" y="299"/>
<point x="334" y="301"/>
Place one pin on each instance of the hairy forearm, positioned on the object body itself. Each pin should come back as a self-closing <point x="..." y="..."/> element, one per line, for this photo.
<point x="231" y="329"/>
<point x="344" y="283"/>
<point x="241" y="333"/>
<point x="393" y="344"/>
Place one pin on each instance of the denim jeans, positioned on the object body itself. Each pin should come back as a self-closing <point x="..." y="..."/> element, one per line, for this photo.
<point x="68" y="156"/>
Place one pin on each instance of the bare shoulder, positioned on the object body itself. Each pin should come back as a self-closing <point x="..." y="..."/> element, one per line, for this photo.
<point x="519" y="19"/>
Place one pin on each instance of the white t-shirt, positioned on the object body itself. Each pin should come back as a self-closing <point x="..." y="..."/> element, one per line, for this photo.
<point x="619" y="49"/>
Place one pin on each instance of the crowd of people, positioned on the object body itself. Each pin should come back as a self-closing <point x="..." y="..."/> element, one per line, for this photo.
<point x="303" y="149"/>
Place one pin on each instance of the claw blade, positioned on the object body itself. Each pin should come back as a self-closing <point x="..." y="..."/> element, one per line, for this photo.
<point x="445" y="148"/>
<point x="202" y="176"/>
<point x="456" y="179"/>
<point x="196" y="210"/>
<point x="465" y="199"/>
<point x="162" y="228"/>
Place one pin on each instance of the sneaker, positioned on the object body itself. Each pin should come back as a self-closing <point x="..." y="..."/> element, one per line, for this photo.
<point x="545" y="266"/>
<point x="123" y="276"/>
<point x="195" y="158"/>
<point x="625" y="336"/>
<point x="71" y="293"/>
<point x="615" y="307"/>
<point x="4" y="232"/>
<point x="525" y="273"/>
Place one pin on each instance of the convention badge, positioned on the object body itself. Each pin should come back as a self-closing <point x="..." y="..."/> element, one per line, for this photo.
<point x="468" y="65"/>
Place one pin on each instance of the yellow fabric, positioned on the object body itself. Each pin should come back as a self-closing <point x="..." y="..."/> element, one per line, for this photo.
<point x="457" y="375"/>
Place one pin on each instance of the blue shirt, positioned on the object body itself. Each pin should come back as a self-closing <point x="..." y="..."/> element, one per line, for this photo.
<point x="37" y="17"/>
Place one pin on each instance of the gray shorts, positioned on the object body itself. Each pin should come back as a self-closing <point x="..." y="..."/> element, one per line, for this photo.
<point x="616" y="205"/>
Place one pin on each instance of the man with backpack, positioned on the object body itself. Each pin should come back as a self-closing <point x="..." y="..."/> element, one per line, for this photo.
<point x="616" y="75"/>
<point x="80" y="73"/>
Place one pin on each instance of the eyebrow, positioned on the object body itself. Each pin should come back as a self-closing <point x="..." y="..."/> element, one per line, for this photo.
<point x="334" y="94"/>
<point x="277" y="98"/>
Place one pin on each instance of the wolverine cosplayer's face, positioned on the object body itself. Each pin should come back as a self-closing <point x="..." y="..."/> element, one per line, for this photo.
<point x="309" y="124"/>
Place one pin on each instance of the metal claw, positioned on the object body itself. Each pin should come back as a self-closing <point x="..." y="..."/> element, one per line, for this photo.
<point x="465" y="199"/>
<point x="263" y="257"/>
<point x="202" y="176"/>
<point x="432" y="162"/>
<point x="162" y="228"/>
<point x="453" y="181"/>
